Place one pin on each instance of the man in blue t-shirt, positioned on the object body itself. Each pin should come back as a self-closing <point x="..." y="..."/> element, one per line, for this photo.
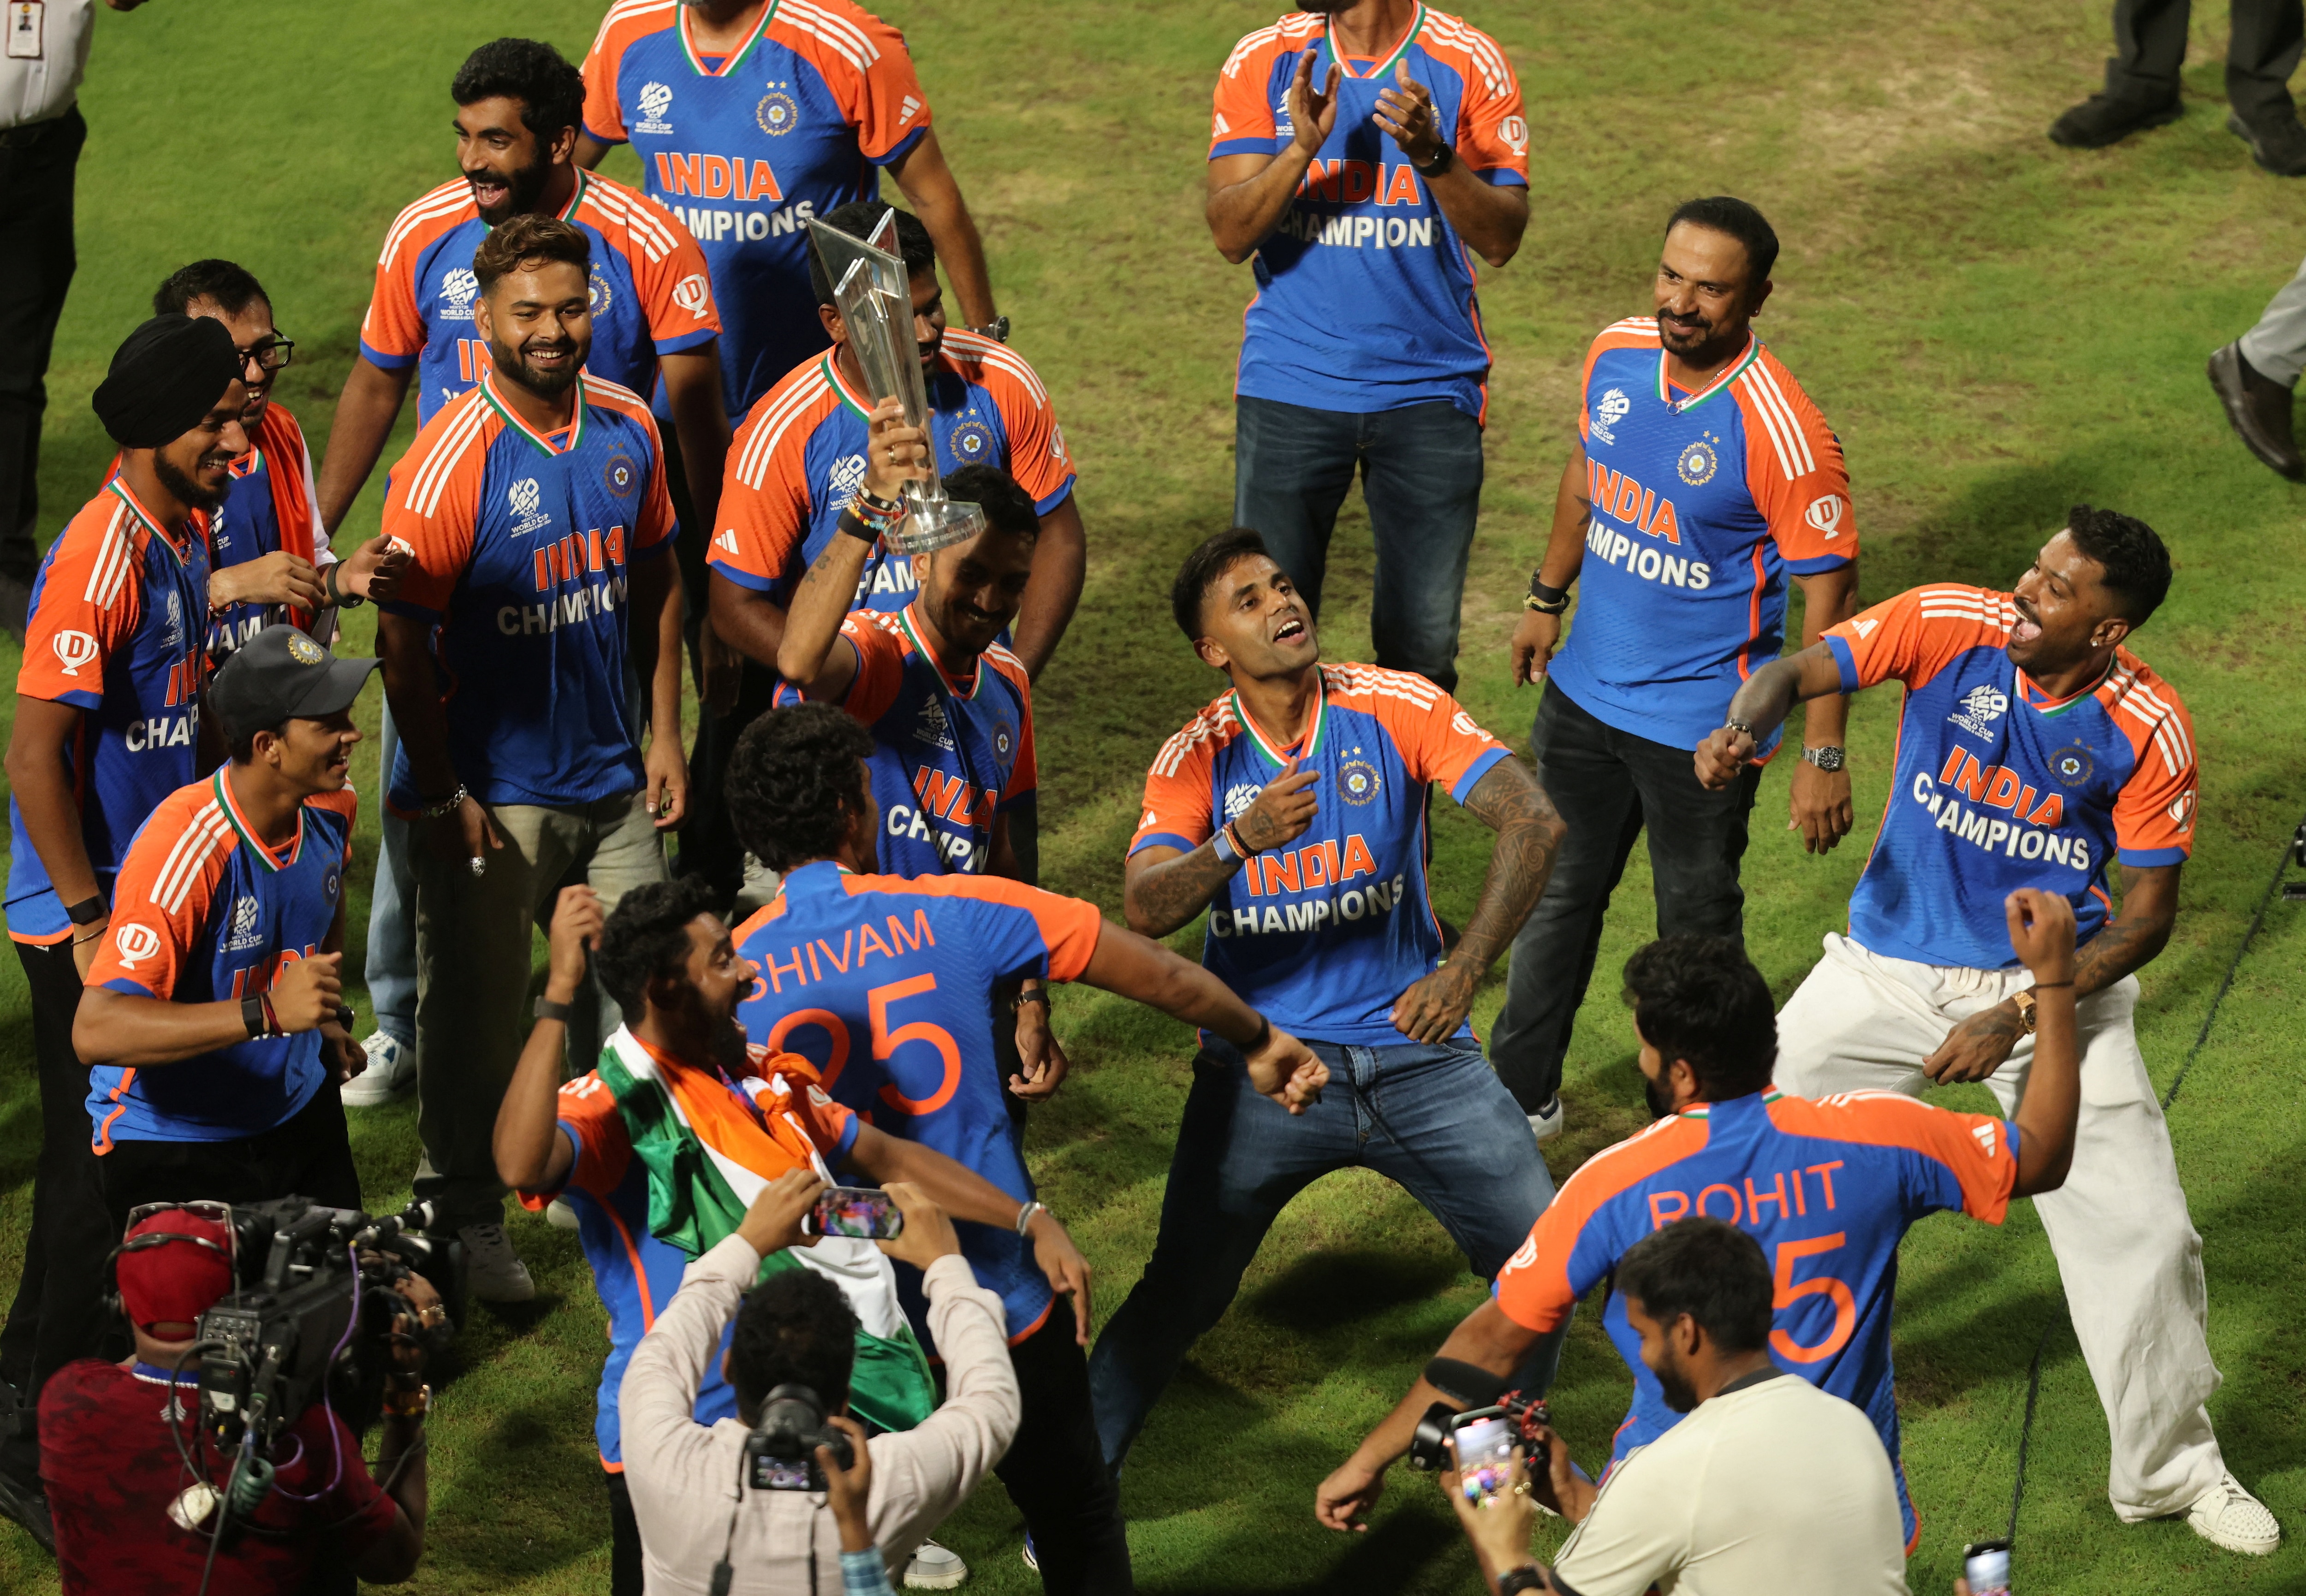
<point x="1293" y="808"/>
<point x="1362" y="153"/>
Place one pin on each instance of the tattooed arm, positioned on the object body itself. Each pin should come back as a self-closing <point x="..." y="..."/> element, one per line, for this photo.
<point x="1165" y="887"/>
<point x="1510" y="801"/>
<point x="1977" y="1047"/>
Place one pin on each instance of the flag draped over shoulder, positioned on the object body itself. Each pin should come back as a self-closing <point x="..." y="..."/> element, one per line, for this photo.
<point x="706" y="1159"/>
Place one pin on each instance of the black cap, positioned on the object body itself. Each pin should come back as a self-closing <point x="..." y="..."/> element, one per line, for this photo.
<point x="168" y="374"/>
<point x="279" y="675"/>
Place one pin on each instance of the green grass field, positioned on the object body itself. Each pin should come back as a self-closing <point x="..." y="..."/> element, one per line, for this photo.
<point x="1996" y="327"/>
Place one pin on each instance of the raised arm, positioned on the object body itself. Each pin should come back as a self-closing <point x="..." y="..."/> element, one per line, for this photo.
<point x="2042" y="931"/>
<point x="530" y="1154"/>
<point x="809" y="654"/>
<point x="1760" y="707"/>
<point x="1490" y="216"/>
<point x="933" y="193"/>
<point x="1249" y="194"/>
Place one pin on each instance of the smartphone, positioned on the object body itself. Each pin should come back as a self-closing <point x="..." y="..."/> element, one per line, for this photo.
<point x="860" y="1211"/>
<point x="1985" y="1565"/>
<point x="1483" y="1441"/>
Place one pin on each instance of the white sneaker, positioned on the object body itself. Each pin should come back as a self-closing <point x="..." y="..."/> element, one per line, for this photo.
<point x="1546" y="1124"/>
<point x="494" y="1271"/>
<point x="559" y="1215"/>
<point x="2228" y="1516"/>
<point x="934" y="1567"/>
<point x="391" y="1075"/>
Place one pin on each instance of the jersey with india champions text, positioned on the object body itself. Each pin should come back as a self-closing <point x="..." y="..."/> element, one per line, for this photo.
<point x="1999" y="786"/>
<point x="950" y="752"/>
<point x="744" y="147"/>
<point x="1364" y="292"/>
<point x="652" y="294"/>
<point x="1828" y="1187"/>
<point x="799" y="458"/>
<point x="634" y="1272"/>
<point x="206" y="913"/>
<point x="524" y="546"/>
<point x="270" y="506"/>
<point x="886" y="985"/>
<point x="1324" y="934"/>
<point x="1703" y="504"/>
<point x="116" y="630"/>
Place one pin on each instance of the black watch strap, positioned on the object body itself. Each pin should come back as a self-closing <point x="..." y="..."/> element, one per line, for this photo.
<point x="1529" y="1576"/>
<point x="1441" y="163"/>
<point x="252" y="1015"/>
<point x="87" y="911"/>
<point x="546" y="1008"/>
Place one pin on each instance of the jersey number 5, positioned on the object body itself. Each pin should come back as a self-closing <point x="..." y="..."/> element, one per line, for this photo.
<point x="1790" y="1291"/>
<point x="879" y="1001"/>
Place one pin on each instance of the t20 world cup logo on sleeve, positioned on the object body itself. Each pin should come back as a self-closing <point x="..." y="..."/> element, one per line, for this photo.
<point x="74" y="650"/>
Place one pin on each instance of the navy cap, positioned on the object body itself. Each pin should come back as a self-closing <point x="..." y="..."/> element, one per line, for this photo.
<point x="279" y="675"/>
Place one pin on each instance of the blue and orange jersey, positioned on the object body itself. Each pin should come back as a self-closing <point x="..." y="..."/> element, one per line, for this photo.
<point x="2000" y="786"/>
<point x="800" y="457"/>
<point x="523" y="544"/>
<point x="634" y="1271"/>
<point x="744" y="147"/>
<point x="1828" y="1187"/>
<point x="1324" y="934"/>
<point x="205" y="912"/>
<point x="1365" y="296"/>
<point x="1703" y="503"/>
<point x="270" y="506"/>
<point x="951" y="750"/>
<point x="117" y="629"/>
<point x="652" y="293"/>
<point x="886" y="984"/>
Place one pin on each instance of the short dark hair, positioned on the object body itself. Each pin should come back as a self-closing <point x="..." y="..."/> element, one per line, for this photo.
<point x="794" y="781"/>
<point x="857" y="219"/>
<point x="1723" y="214"/>
<point x="1007" y="506"/>
<point x="1201" y="570"/>
<point x="551" y="91"/>
<point x="2136" y="564"/>
<point x="242" y="748"/>
<point x="794" y="1328"/>
<point x="647" y="936"/>
<point x="1710" y="1270"/>
<point x="225" y="284"/>
<point x="1699" y="999"/>
<point x="526" y="242"/>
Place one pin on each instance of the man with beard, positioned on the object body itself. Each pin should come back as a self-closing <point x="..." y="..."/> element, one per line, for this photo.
<point x="2032" y="745"/>
<point x="1830" y="1189"/>
<point x="107" y="726"/>
<point x="1293" y="808"/>
<point x="1705" y="477"/>
<point x="535" y="511"/>
<point x="671" y="962"/>
<point x="518" y="105"/>
<point x="273" y="563"/>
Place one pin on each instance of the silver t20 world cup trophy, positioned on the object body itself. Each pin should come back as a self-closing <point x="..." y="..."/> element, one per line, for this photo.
<point x="874" y="298"/>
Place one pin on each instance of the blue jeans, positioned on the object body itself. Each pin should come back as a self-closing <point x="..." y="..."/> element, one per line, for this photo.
<point x="391" y="968"/>
<point x="1421" y="469"/>
<point x="1466" y="1154"/>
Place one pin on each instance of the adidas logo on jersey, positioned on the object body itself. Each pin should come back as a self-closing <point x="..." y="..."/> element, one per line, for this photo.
<point x="1986" y="1136"/>
<point x="1979" y="708"/>
<point x="727" y="540"/>
<point x="906" y="111"/>
<point x="656" y="99"/>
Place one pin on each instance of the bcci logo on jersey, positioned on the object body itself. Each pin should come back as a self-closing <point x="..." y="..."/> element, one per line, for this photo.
<point x="1979" y="708"/>
<point x="933" y="728"/>
<point x="459" y="289"/>
<point x="601" y="294"/>
<point x="972" y="443"/>
<point x="1238" y="798"/>
<point x="1357" y="781"/>
<point x="778" y="115"/>
<point x="527" y="500"/>
<point x="1609" y="410"/>
<point x="656" y="99"/>
<point x="247" y="929"/>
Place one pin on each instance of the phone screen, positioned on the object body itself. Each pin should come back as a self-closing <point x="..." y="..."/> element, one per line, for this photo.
<point x="1987" y="1568"/>
<point x="1484" y="1449"/>
<point x="857" y="1211"/>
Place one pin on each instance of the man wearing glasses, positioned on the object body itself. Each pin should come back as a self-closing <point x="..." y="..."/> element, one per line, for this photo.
<point x="271" y="558"/>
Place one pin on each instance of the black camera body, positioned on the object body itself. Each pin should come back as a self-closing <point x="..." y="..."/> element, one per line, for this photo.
<point x="312" y="1314"/>
<point x="780" y="1452"/>
<point x="1482" y="1396"/>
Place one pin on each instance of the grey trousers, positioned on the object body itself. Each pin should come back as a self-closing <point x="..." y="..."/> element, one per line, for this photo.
<point x="2262" y="50"/>
<point x="2275" y="347"/>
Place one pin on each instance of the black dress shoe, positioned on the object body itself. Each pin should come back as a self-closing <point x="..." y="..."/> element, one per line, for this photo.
<point x="28" y="1504"/>
<point x="2101" y="120"/>
<point x="2259" y="409"/>
<point x="2277" y="142"/>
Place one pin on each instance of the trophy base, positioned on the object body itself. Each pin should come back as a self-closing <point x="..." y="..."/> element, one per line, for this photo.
<point x="933" y="526"/>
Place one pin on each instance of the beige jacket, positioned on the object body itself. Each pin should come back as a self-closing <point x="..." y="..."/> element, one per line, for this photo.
<point x="683" y="1476"/>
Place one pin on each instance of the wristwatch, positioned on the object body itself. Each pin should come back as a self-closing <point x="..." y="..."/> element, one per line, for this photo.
<point x="1529" y="1576"/>
<point x="1827" y="759"/>
<point x="2024" y="1002"/>
<point x="1441" y="163"/>
<point x="997" y="329"/>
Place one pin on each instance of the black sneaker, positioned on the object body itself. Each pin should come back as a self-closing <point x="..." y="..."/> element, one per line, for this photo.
<point x="2259" y="408"/>
<point x="2277" y="142"/>
<point x="2101" y="120"/>
<point x="28" y="1504"/>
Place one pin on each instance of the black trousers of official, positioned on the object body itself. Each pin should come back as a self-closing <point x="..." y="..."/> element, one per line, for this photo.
<point x="1055" y="1469"/>
<point x="58" y="1313"/>
<point x="309" y="1154"/>
<point x="2262" y="50"/>
<point x="1608" y="785"/>
<point x="37" y="163"/>
<point x="627" y="1576"/>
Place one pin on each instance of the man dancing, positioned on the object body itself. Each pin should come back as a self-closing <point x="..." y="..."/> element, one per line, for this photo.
<point x="2033" y="747"/>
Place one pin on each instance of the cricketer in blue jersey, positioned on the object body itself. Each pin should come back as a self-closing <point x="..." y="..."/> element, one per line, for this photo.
<point x="1293" y="809"/>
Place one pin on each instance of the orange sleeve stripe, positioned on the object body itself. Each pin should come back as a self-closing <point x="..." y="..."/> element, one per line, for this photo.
<point x="626" y="25"/>
<point x="1069" y="926"/>
<point x="1546" y="1298"/>
<point x="1634" y="332"/>
<point x="1980" y="1164"/>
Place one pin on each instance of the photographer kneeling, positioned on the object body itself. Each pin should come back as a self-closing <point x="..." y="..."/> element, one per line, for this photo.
<point x="1769" y="1485"/>
<point x="792" y="1353"/>
<point x="115" y="1450"/>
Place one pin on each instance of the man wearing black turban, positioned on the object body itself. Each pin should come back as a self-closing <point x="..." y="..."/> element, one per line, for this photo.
<point x="107" y="724"/>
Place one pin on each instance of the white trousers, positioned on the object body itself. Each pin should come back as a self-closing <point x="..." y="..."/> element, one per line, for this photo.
<point x="2126" y="1250"/>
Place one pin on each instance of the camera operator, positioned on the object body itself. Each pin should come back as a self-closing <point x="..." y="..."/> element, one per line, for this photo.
<point x="796" y="1329"/>
<point x="115" y="1455"/>
<point x="1771" y="1484"/>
